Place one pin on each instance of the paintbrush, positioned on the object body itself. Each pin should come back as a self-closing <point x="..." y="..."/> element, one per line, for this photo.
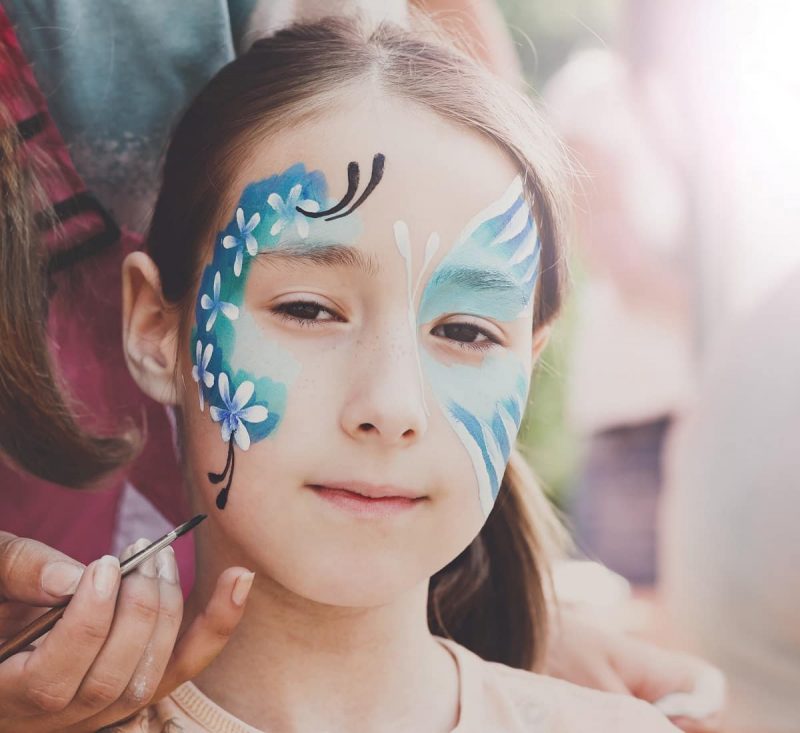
<point x="40" y="626"/>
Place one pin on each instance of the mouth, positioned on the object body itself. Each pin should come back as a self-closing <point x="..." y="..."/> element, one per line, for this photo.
<point x="368" y="500"/>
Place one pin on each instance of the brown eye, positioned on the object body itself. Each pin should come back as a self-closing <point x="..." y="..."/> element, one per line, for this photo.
<point x="308" y="311"/>
<point x="465" y="335"/>
<point x="305" y="311"/>
<point x="463" y="332"/>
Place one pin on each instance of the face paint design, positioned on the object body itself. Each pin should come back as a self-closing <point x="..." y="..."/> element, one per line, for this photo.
<point x="403" y="242"/>
<point x="247" y="394"/>
<point x="490" y="272"/>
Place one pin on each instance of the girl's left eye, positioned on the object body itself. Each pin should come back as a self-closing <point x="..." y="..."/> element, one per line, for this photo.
<point x="465" y="335"/>
<point x="305" y="312"/>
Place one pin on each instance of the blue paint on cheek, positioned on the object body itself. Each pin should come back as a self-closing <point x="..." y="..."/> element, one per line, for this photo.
<point x="484" y="405"/>
<point x="475" y="430"/>
<point x="499" y="430"/>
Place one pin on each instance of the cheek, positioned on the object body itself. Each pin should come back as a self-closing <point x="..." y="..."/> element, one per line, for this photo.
<point x="243" y="402"/>
<point x="258" y="355"/>
<point x="483" y="406"/>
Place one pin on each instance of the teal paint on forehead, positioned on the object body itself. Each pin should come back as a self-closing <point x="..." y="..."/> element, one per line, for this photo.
<point x="226" y="339"/>
<point x="443" y="296"/>
<point x="502" y="241"/>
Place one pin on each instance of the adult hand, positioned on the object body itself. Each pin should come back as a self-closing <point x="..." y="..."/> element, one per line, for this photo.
<point x="116" y="648"/>
<point x="679" y="684"/>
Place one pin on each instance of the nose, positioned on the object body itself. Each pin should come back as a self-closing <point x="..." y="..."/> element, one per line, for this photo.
<point x="385" y="403"/>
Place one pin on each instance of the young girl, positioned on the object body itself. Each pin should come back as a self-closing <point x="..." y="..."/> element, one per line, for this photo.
<point x="350" y="271"/>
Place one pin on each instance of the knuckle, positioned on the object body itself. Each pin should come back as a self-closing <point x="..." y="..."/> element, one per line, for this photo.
<point x="143" y="606"/>
<point x="12" y="557"/>
<point x="222" y="628"/>
<point x="48" y="697"/>
<point x="140" y="691"/>
<point x="91" y="631"/>
<point x="100" y="692"/>
<point x="172" y="615"/>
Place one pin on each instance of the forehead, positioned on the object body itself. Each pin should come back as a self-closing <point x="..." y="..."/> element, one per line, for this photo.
<point x="438" y="174"/>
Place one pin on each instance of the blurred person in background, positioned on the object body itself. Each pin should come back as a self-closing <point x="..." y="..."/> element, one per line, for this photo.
<point x="630" y="367"/>
<point x="731" y="544"/>
<point x="730" y="540"/>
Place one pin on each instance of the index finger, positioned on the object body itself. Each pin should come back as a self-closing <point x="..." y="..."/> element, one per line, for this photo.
<point x="208" y="633"/>
<point x="45" y="680"/>
<point x="31" y="572"/>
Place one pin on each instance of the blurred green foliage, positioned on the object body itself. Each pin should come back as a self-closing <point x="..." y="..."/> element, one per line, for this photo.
<point x="547" y="31"/>
<point x="545" y="438"/>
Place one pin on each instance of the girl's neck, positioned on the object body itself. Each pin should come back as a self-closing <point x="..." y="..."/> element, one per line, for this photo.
<point x="294" y="665"/>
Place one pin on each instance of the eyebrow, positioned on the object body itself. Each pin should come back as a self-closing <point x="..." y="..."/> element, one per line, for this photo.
<point x="476" y="279"/>
<point x="323" y="255"/>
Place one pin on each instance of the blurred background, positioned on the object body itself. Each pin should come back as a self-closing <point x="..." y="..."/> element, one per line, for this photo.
<point x="665" y="415"/>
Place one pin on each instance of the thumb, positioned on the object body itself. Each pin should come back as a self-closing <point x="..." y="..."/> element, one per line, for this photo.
<point x="678" y="684"/>
<point x="209" y="632"/>
<point x="33" y="573"/>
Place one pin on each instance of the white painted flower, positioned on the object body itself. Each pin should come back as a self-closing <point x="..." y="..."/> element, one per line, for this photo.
<point x="288" y="215"/>
<point x="215" y="305"/>
<point x="200" y="372"/>
<point x="245" y="240"/>
<point x="235" y="414"/>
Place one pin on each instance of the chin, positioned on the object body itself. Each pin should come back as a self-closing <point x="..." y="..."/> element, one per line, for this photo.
<point x="347" y="580"/>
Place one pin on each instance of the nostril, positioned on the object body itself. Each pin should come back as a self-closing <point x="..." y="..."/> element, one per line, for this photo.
<point x="408" y="433"/>
<point x="366" y="427"/>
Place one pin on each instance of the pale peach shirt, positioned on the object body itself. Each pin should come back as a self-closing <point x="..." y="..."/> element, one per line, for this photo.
<point x="493" y="698"/>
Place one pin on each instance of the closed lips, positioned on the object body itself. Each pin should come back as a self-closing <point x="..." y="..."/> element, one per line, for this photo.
<point x="369" y="491"/>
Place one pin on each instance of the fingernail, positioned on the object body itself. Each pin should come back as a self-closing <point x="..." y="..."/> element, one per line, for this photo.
<point x="131" y="550"/>
<point x="61" y="578"/>
<point x="167" y="568"/>
<point x="148" y="567"/>
<point x="241" y="588"/>
<point x="106" y="571"/>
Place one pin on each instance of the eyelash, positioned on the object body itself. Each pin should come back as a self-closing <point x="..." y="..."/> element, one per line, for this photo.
<point x="283" y="310"/>
<point x="490" y="341"/>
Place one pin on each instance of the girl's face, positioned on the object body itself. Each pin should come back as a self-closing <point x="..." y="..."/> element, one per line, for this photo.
<point x="357" y="377"/>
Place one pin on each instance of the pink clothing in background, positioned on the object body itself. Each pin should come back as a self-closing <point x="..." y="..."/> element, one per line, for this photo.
<point x="85" y="328"/>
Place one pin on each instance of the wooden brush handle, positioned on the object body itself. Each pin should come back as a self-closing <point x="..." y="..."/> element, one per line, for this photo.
<point x="31" y="632"/>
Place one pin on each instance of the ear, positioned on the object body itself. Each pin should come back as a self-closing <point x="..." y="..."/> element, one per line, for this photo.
<point x="541" y="336"/>
<point x="149" y="329"/>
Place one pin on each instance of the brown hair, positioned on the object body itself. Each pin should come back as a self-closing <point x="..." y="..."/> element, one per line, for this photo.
<point x="492" y="598"/>
<point x="39" y="430"/>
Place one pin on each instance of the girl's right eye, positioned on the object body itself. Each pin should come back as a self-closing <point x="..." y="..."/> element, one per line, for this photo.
<point x="305" y="312"/>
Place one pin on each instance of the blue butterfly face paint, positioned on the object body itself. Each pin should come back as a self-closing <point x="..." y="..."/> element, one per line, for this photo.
<point x="246" y="394"/>
<point x="490" y="272"/>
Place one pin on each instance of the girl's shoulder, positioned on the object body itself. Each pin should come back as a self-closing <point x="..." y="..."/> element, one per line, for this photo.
<point x="497" y="697"/>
